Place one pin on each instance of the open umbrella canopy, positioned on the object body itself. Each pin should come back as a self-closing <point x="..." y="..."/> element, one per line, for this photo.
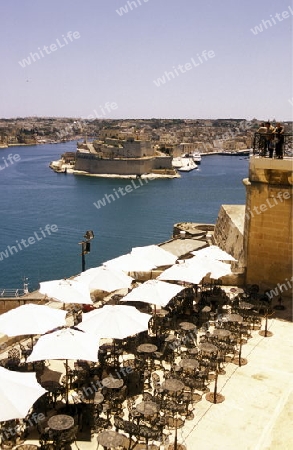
<point x="215" y="268"/>
<point x="155" y="292"/>
<point x="31" y="319"/>
<point x="130" y="263"/>
<point x="114" y="321"/>
<point x="18" y="392"/>
<point x="68" y="343"/>
<point x="66" y="291"/>
<point x="214" y="252"/>
<point x="155" y="254"/>
<point x="104" y="279"/>
<point x="185" y="272"/>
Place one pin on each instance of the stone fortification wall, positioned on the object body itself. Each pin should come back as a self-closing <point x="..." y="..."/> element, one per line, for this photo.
<point x="228" y="234"/>
<point x="93" y="164"/>
<point x="129" y="148"/>
<point x="162" y="162"/>
<point x="268" y="224"/>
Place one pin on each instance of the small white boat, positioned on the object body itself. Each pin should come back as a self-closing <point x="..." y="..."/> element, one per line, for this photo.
<point x="196" y="156"/>
<point x="177" y="162"/>
<point x="187" y="165"/>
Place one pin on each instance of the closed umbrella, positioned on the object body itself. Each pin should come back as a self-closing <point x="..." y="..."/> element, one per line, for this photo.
<point x="66" y="291"/>
<point x="18" y="392"/>
<point x="104" y="279"/>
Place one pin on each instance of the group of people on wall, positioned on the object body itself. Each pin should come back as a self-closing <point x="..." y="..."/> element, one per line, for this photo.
<point x="271" y="139"/>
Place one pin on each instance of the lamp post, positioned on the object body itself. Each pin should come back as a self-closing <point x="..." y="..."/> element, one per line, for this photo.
<point x="86" y="247"/>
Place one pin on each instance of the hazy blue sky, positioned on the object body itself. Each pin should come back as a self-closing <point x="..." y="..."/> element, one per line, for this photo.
<point x="118" y="57"/>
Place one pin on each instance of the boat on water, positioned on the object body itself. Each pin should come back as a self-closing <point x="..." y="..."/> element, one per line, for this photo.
<point x="196" y="156"/>
<point x="177" y="162"/>
<point x="187" y="165"/>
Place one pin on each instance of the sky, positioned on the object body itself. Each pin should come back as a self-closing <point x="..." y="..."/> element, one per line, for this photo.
<point x="119" y="59"/>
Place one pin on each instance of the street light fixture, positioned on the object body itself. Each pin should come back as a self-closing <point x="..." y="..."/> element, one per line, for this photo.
<point x="86" y="247"/>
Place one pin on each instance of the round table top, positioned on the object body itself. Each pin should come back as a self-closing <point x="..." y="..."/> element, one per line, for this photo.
<point x="96" y="399"/>
<point x="206" y="347"/>
<point x="147" y="408"/>
<point x="221" y="333"/>
<point x="187" y="326"/>
<point x="189" y="363"/>
<point x="173" y="385"/>
<point x="147" y="348"/>
<point x="233" y="318"/>
<point x="192" y="351"/>
<point x="112" y="383"/>
<point x="206" y="309"/>
<point x="110" y="439"/>
<point x="60" y="422"/>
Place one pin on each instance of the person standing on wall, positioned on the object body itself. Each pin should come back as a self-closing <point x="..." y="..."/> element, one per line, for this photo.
<point x="279" y="133"/>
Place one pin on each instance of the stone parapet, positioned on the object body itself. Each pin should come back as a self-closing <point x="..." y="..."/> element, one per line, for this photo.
<point x="268" y="223"/>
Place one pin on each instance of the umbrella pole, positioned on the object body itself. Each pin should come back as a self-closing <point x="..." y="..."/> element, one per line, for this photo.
<point x="66" y="381"/>
<point x="216" y="385"/>
<point x="240" y="349"/>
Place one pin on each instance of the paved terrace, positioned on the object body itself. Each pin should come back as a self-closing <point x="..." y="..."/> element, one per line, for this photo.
<point x="257" y="412"/>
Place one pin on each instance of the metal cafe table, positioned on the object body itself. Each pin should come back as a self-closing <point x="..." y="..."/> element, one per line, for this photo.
<point x="58" y="424"/>
<point x="111" y="439"/>
<point x="148" y="408"/>
<point x="147" y="350"/>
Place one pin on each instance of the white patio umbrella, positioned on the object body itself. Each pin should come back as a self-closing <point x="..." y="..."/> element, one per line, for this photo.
<point x="104" y="279"/>
<point x="215" y="268"/>
<point x="68" y="343"/>
<point x="214" y="252"/>
<point x="66" y="291"/>
<point x="155" y="254"/>
<point x="114" y="321"/>
<point x="155" y="292"/>
<point x="31" y="319"/>
<point x="184" y="272"/>
<point x="18" y="392"/>
<point x="130" y="263"/>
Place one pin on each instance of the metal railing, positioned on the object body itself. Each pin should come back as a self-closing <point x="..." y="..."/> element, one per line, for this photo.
<point x="261" y="140"/>
<point x="12" y="293"/>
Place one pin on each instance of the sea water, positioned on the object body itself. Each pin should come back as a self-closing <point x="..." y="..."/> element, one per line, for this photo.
<point x="34" y="198"/>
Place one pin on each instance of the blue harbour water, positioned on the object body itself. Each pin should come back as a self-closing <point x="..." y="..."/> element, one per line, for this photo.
<point x="33" y="196"/>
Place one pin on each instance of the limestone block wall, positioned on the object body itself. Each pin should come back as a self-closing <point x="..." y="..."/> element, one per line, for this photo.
<point x="268" y="225"/>
<point x="228" y="233"/>
<point x="93" y="164"/>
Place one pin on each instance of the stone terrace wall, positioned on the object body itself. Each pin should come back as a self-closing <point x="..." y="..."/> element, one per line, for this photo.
<point x="228" y="233"/>
<point x="268" y="224"/>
